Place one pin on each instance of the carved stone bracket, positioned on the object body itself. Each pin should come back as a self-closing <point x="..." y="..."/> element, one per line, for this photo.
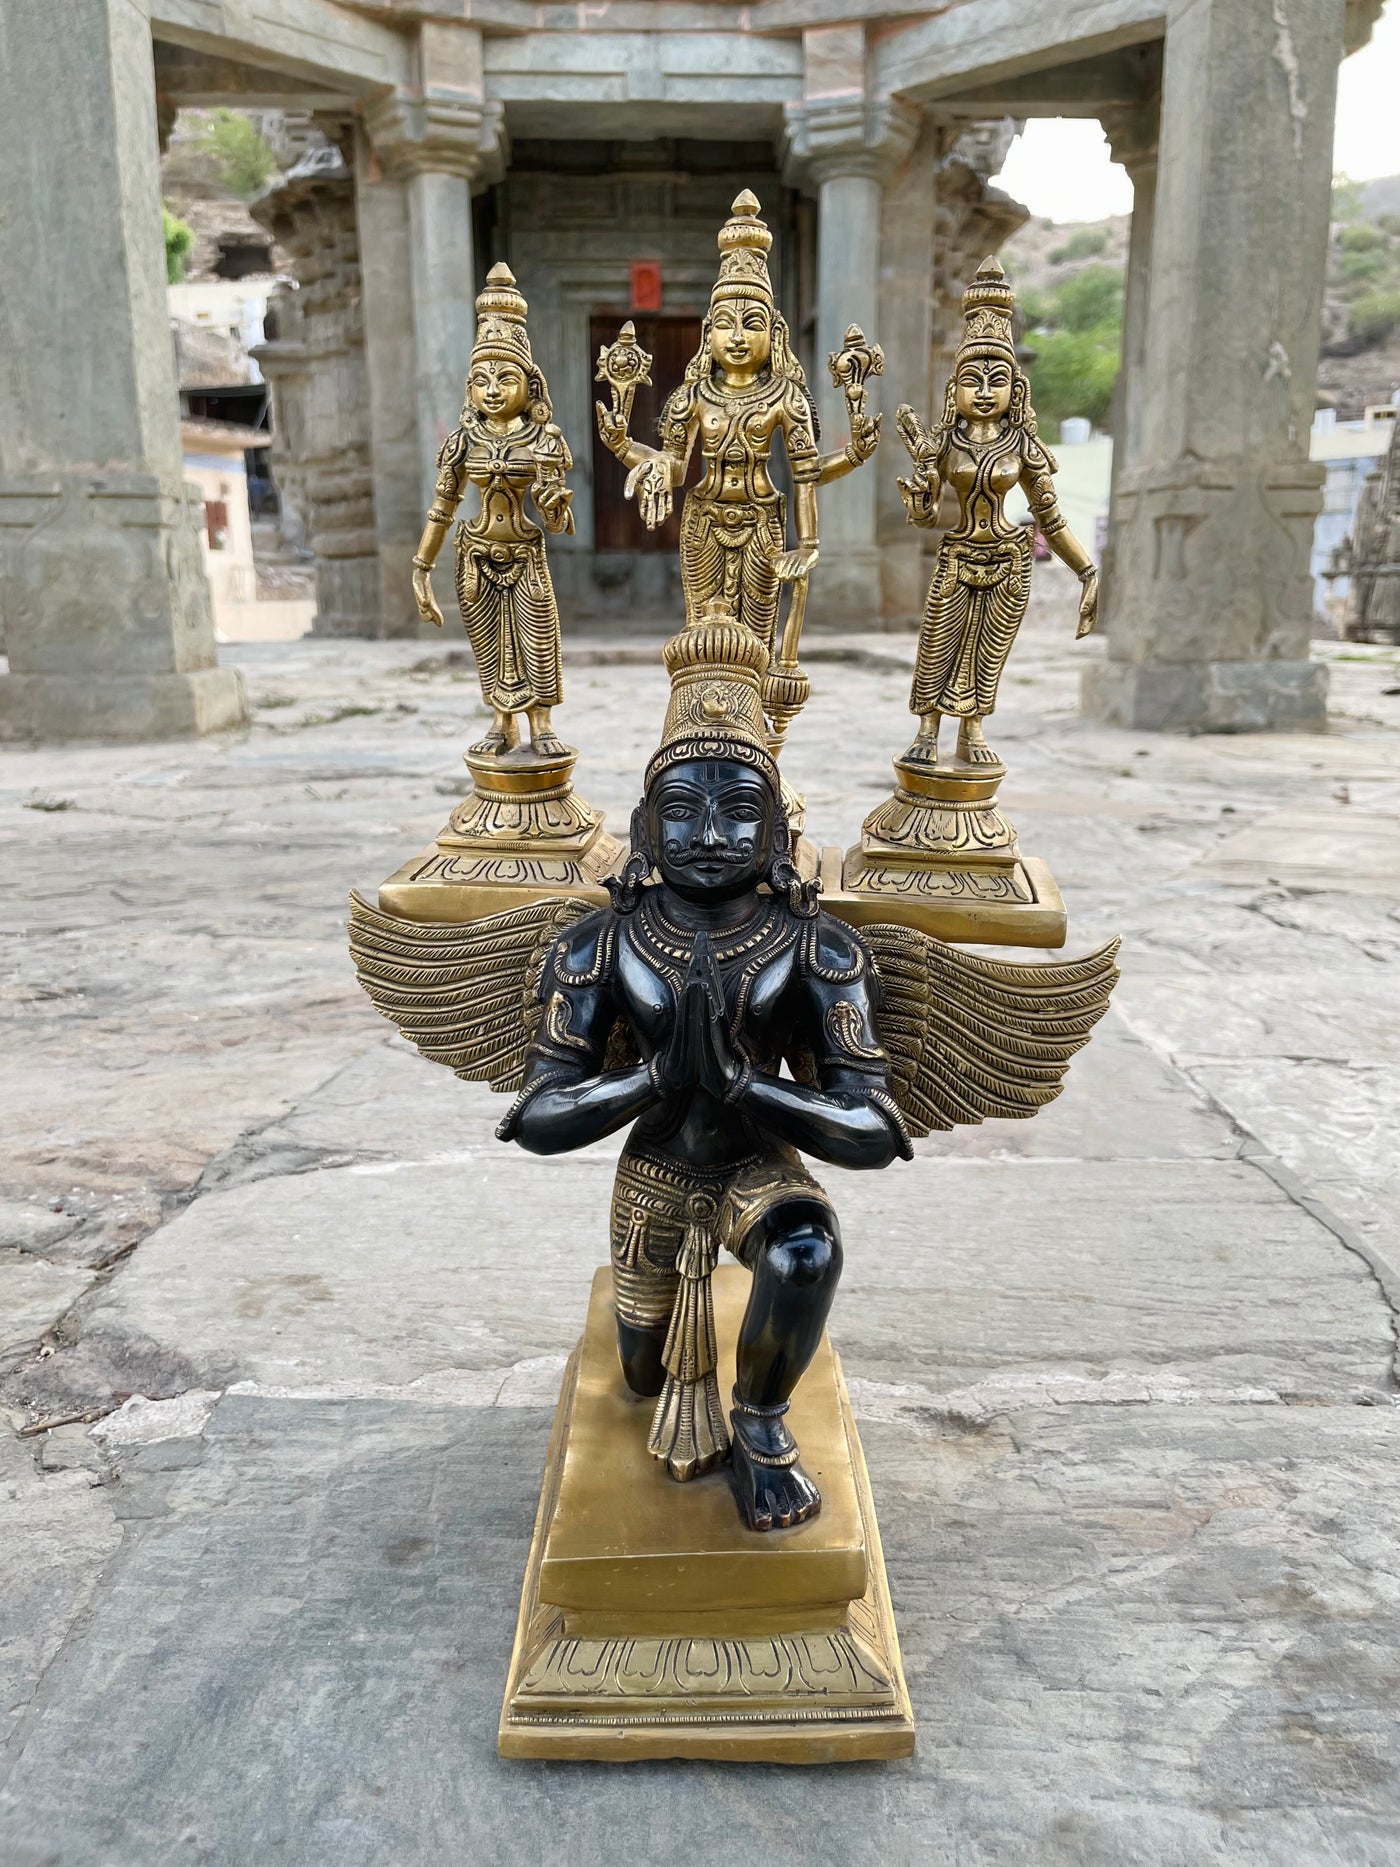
<point x="1132" y="132"/>
<point x="441" y="132"/>
<point x="850" y="135"/>
<point x="1360" y="20"/>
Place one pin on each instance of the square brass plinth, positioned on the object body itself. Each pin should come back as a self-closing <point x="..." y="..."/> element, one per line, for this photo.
<point x="440" y="884"/>
<point x="997" y="906"/>
<point x="653" y="1624"/>
<point x="443" y="884"/>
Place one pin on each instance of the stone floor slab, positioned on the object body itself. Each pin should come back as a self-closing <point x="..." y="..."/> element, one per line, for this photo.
<point x="383" y="1273"/>
<point x="33" y="1295"/>
<point x="1131" y="1637"/>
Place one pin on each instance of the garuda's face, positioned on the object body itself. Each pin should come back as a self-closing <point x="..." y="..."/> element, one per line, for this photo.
<point x="711" y="827"/>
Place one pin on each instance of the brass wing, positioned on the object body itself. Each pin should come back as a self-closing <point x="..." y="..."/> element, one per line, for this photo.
<point x="969" y="1037"/>
<point x="466" y="996"/>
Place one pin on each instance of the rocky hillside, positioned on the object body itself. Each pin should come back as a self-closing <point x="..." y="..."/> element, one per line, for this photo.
<point x="1043" y="254"/>
<point x="1361" y="312"/>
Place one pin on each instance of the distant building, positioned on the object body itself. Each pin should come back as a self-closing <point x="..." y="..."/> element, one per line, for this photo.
<point x="1350" y="451"/>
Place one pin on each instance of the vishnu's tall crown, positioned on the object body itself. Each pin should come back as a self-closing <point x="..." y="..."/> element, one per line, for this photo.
<point x="744" y="242"/>
<point x="988" y="304"/>
<point x="500" y="319"/>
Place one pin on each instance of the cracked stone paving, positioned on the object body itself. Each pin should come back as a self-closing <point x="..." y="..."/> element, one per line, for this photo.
<point x="281" y="1324"/>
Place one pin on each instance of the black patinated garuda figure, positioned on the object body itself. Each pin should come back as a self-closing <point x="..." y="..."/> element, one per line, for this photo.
<point x="717" y="984"/>
<point x="673" y="1012"/>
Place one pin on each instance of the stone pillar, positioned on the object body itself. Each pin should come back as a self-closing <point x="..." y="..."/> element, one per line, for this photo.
<point x="396" y="458"/>
<point x="845" y="145"/>
<point x="905" y="328"/>
<point x="102" y="591"/>
<point x="1132" y="131"/>
<point x="427" y="150"/>
<point x="315" y="368"/>
<point x="1213" y="598"/>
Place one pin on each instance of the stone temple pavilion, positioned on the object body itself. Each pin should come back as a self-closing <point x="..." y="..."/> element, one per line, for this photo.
<point x="596" y="149"/>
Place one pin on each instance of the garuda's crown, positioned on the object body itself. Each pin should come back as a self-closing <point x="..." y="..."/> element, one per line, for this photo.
<point x="744" y="242"/>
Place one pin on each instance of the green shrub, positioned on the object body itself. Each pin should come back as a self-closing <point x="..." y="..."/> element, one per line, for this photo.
<point x="1375" y="316"/>
<point x="179" y="239"/>
<point x="1364" y="268"/>
<point x="1346" y="199"/>
<point x="246" y="163"/>
<point x="1036" y="309"/>
<point x="1092" y="298"/>
<point x="1361" y="236"/>
<point x="1074" y="373"/>
<point x="1085" y="243"/>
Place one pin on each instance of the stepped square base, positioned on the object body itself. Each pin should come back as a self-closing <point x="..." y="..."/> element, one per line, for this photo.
<point x="443" y="885"/>
<point x="129" y="706"/>
<point x="1019" y="905"/>
<point x="522" y="835"/>
<point x="654" y="1624"/>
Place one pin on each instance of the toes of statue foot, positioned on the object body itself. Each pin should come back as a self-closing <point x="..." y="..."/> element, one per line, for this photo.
<point x="793" y="1498"/>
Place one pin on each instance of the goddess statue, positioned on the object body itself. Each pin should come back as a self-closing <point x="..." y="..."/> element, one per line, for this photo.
<point x="743" y="386"/>
<point x="508" y="447"/>
<point x="985" y="444"/>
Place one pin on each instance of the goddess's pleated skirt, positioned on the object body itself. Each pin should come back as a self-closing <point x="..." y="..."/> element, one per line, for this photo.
<point x="976" y="603"/>
<point x="512" y="621"/>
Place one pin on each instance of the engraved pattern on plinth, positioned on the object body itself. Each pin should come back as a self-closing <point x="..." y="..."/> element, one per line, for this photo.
<point x="815" y="1684"/>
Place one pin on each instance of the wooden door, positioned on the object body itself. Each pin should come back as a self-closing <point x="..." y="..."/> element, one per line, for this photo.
<point x="617" y="524"/>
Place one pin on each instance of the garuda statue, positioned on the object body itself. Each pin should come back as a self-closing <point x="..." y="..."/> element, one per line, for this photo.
<point x="673" y="1012"/>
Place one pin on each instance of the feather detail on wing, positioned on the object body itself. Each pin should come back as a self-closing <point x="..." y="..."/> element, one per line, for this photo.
<point x="466" y="996"/>
<point x="970" y="1037"/>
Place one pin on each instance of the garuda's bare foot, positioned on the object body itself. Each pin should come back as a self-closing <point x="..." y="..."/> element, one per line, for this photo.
<point x="771" y="1488"/>
<point x="548" y="745"/>
<point x="491" y="745"/>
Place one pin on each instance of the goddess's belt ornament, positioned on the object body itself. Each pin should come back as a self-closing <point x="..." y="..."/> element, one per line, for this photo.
<point x="983" y="569"/>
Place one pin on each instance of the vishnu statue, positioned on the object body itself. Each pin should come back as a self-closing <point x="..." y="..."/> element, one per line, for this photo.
<point x="743" y="387"/>
<point x="508" y="447"/>
<point x="985" y="445"/>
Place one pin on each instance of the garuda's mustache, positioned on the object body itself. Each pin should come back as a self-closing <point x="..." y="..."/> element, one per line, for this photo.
<point x="732" y="853"/>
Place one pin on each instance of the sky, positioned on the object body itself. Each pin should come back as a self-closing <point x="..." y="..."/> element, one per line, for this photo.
<point x="1061" y="169"/>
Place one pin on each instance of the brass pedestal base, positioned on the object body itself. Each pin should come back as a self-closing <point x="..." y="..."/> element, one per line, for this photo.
<point x="653" y="1624"/>
<point x="522" y="835"/>
<point x="940" y="855"/>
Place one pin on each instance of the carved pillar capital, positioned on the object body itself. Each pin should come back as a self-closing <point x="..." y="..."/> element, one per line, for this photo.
<point x="438" y="132"/>
<point x="1360" y="19"/>
<point x="441" y="124"/>
<point x="1132" y="131"/>
<point x="828" y="138"/>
